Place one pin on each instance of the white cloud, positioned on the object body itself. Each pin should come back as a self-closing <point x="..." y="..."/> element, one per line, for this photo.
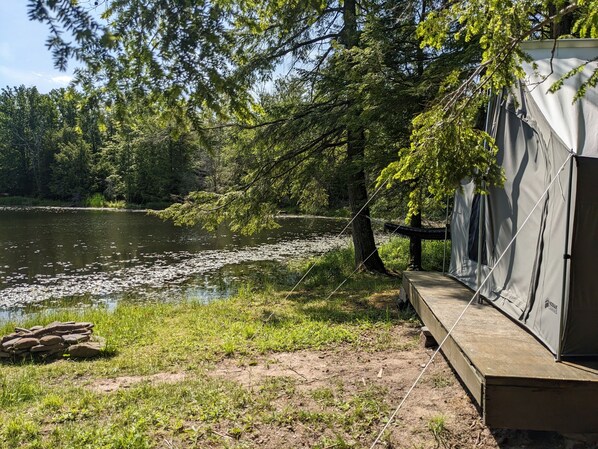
<point x="43" y="81"/>
<point x="62" y="80"/>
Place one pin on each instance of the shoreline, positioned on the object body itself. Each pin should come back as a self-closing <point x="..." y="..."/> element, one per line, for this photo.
<point x="280" y="215"/>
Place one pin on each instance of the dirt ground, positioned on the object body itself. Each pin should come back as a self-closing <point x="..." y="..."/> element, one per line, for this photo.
<point x="437" y="414"/>
<point x="438" y="398"/>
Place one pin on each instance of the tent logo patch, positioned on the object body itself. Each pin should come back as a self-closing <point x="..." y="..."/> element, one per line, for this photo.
<point x="548" y="304"/>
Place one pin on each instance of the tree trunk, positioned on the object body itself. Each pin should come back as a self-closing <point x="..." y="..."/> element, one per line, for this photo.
<point x="366" y="253"/>
<point x="415" y="244"/>
<point x="562" y="26"/>
<point x="415" y="221"/>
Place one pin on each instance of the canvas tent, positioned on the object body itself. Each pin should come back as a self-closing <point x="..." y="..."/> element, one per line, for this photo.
<point x="547" y="279"/>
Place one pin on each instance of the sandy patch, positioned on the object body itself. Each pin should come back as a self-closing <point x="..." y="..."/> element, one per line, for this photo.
<point x="116" y="383"/>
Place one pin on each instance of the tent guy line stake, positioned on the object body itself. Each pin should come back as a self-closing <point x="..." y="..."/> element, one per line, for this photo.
<point x="477" y="292"/>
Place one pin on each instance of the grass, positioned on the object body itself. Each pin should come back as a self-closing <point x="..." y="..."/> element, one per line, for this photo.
<point x="98" y="200"/>
<point x="438" y="427"/>
<point x="7" y="201"/>
<point x="51" y="406"/>
<point x="54" y="405"/>
<point x="396" y="254"/>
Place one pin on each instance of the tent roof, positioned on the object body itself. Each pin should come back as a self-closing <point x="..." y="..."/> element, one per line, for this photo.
<point x="575" y="123"/>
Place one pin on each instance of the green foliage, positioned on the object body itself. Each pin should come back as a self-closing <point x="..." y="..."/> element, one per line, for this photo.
<point x="329" y="269"/>
<point x="95" y="200"/>
<point x="212" y="209"/>
<point x="98" y="200"/>
<point x="71" y="171"/>
<point x="28" y="123"/>
<point x="395" y="254"/>
<point x="292" y="152"/>
<point x="43" y="149"/>
<point x="437" y="425"/>
<point x="27" y="201"/>
<point x="64" y="145"/>
<point x="313" y="141"/>
<point x="21" y="432"/>
<point x="148" y="159"/>
<point x="498" y="27"/>
<point x="16" y="388"/>
<point x="445" y="149"/>
<point x="446" y="143"/>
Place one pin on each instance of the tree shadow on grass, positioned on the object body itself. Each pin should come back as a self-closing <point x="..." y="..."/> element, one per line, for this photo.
<point x="29" y="360"/>
<point x="382" y="307"/>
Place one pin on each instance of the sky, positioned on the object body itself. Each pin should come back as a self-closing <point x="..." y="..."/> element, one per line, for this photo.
<point x="24" y="58"/>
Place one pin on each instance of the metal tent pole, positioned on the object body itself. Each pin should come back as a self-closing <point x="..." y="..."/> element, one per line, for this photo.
<point x="481" y="242"/>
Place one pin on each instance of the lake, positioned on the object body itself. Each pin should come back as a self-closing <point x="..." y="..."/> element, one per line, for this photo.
<point x="52" y="256"/>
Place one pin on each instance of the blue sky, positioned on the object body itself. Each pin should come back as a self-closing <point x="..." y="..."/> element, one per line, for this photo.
<point x="24" y="58"/>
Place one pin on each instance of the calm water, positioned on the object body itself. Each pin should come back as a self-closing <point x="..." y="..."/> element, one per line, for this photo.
<point x="49" y="255"/>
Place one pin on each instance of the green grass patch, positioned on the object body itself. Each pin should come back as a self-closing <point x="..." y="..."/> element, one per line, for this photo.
<point x="395" y="254"/>
<point x="56" y="405"/>
<point x="98" y="200"/>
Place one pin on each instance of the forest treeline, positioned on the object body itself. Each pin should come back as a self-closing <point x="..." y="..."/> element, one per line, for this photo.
<point x="66" y="146"/>
<point x="61" y="145"/>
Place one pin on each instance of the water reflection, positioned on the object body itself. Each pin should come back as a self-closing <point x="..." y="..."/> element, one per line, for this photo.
<point x="96" y="255"/>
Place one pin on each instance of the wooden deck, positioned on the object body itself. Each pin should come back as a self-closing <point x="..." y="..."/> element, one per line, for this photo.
<point x="511" y="375"/>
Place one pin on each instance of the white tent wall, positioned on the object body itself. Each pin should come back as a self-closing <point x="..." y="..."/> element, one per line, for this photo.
<point x="574" y="122"/>
<point x="527" y="283"/>
<point x="536" y="131"/>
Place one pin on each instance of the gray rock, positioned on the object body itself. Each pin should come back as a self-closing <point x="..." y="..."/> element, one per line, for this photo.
<point x="10" y="343"/>
<point x="50" y="340"/>
<point x="55" y="339"/>
<point x="39" y="348"/>
<point x="9" y="337"/>
<point x="88" y="349"/>
<point x="69" y="332"/>
<point x="26" y="343"/>
<point x="72" y="339"/>
<point x="56" y="328"/>
<point x="46" y="348"/>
